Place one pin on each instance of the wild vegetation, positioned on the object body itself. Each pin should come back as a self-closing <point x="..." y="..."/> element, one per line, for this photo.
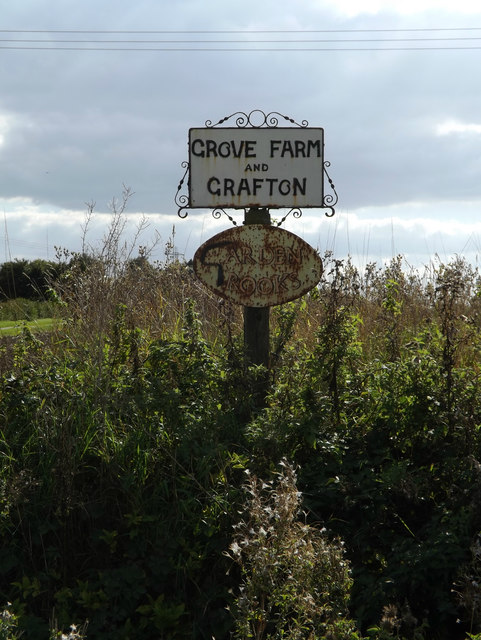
<point x="146" y="492"/>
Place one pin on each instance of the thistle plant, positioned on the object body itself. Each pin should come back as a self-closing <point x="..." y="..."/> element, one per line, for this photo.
<point x="294" y="582"/>
<point x="8" y="623"/>
<point x="74" y="633"/>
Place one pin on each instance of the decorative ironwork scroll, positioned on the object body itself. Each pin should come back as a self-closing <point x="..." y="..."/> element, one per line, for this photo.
<point x="330" y="200"/>
<point x="217" y="214"/>
<point x="296" y="213"/>
<point x="182" y="199"/>
<point x="256" y="119"/>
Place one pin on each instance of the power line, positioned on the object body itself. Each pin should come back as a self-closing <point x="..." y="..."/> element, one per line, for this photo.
<point x="239" y="49"/>
<point x="245" y="31"/>
<point x="303" y="41"/>
<point x="47" y="43"/>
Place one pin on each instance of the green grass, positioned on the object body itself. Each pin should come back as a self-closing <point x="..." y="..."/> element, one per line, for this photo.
<point x="14" y="327"/>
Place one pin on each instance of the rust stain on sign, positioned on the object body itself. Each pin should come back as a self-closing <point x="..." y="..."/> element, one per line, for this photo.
<point x="258" y="265"/>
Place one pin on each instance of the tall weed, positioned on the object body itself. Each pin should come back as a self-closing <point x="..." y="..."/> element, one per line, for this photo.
<point x="295" y="583"/>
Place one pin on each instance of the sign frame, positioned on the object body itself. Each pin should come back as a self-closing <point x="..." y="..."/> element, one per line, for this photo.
<point x="272" y="168"/>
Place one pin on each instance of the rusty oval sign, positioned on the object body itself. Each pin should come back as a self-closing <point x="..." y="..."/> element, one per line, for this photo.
<point x="258" y="265"/>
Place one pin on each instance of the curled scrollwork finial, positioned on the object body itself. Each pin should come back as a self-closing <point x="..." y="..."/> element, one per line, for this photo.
<point x="330" y="200"/>
<point x="182" y="199"/>
<point x="256" y="119"/>
<point x="217" y="214"/>
<point x="296" y="213"/>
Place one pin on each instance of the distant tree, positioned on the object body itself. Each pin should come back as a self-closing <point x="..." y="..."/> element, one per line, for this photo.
<point x="140" y="264"/>
<point x="13" y="282"/>
<point x="27" y="278"/>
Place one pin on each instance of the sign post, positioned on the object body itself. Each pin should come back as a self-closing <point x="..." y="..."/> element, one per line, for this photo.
<point x="256" y="319"/>
<point x="257" y="166"/>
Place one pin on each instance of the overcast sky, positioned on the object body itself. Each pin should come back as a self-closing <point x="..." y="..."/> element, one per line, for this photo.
<point x="101" y="93"/>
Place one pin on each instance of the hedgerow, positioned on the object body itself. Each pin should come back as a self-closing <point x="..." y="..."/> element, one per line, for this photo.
<point x="146" y="492"/>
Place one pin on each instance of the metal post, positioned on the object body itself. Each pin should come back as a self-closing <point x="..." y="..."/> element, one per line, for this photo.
<point x="256" y="320"/>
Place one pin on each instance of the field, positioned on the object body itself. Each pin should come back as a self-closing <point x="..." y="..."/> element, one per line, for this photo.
<point x="14" y="328"/>
<point x="151" y="487"/>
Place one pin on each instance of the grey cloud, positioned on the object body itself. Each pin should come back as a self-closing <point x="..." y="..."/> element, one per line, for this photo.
<point x="85" y="122"/>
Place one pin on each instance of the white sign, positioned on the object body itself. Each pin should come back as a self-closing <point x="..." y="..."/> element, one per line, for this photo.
<point x="240" y="168"/>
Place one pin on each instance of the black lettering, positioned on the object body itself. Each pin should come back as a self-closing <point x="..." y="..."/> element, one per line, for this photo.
<point x="250" y="148"/>
<point x="213" y="186"/>
<point x="210" y="149"/>
<point x="300" y="147"/>
<point x="287" y="149"/>
<point x="257" y="185"/>
<point x="224" y="149"/>
<point x="299" y="188"/>
<point x="199" y="153"/>
<point x="218" y="265"/>
<point x="243" y="186"/>
<point x="257" y="167"/>
<point x="228" y="187"/>
<point x="314" y="145"/>
<point x="296" y="148"/>
<point x="275" y="144"/>
<point x="271" y="182"/>
<point x="237" y="151"/>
